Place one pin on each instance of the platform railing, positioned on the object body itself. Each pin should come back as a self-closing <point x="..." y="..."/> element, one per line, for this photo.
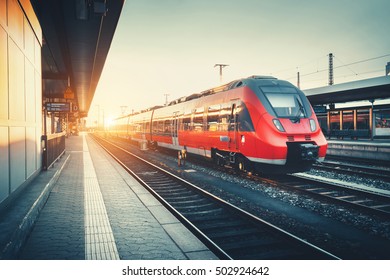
<point x="53" y="147"/>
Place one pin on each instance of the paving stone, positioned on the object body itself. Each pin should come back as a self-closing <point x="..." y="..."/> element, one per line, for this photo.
<point x="96" y="210"/>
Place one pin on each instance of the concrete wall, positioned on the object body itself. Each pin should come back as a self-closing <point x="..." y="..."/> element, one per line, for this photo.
<point x="20" y="95"/>
<point x="361" y="150"/>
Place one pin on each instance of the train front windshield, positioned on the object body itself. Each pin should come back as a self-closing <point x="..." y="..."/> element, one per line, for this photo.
<point x="286" y="105"/>
<point x="283" y="100"/>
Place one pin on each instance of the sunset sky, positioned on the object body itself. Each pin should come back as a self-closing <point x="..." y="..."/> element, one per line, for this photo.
<point x="171" y="46"/>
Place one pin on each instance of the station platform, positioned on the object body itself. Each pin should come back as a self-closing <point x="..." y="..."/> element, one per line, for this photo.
<point x="88" y="207"/>
<point x="378" y="149"/>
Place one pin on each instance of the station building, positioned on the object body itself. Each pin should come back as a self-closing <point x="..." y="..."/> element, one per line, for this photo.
<point x="20" y="95"/>
<point x="52" y="53"/>
<point x="353" y="110"/>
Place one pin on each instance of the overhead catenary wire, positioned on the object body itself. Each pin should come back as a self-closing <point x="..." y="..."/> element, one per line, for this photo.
<point x="340" y="66"/>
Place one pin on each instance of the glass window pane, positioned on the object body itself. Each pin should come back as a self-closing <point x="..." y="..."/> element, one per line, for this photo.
<point x="348" y="120"/>
<point x="335" y="120"/>
<point x="363" y="119"/>
<point x="212" y="117"/>
<point x="198" y="120"/>
<point x="286" y="105"/>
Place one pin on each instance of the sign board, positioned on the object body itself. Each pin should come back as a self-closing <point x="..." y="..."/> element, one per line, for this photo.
<point x="58" y="107"/>
<point x="318" y="109"/>
<point x="68" y="94"/>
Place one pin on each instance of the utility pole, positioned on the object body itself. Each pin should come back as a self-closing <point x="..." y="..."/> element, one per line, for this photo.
<point x="298" y="80"/>
<point x="166" y="99"/>
<point x="104" y="121"/>
<point x="98" y="117"/>
<point x="221" y="66"/>
<point x="123" y="110"/>
<point x="331" y="69"/>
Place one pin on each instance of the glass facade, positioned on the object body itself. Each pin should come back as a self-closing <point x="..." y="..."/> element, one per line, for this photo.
<point x="348" y="122"/>
<point x="363" y="119"/>
<point x="20" y="95"/>
<point x="382" y="123"/>
<point x="334" y="119"/>
<point x="323" y="121"/>
<point x="362" y="123"/>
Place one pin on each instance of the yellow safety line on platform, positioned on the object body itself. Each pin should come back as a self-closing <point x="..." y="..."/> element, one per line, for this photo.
<point x="99" y="239"/>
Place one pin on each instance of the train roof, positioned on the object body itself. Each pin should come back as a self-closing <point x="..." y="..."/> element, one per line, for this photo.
<point x="233" y="84"/>
<point x="228" y="86"/>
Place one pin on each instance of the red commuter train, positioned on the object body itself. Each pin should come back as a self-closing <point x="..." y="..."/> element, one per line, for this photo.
<point x="257" y="124"/>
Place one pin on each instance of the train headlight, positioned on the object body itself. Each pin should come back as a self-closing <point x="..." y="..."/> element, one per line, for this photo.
<point x="278" y="125"/>
<point x="313" y="125"/>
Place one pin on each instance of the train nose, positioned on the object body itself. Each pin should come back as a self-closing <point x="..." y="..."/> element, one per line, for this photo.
<point x="298" y="152"/>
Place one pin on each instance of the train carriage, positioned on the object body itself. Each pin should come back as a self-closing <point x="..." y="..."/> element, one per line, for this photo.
<point x="259" y="123"/>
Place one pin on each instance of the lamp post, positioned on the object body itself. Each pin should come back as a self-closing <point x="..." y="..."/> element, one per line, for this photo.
<point x="98" y="117"/>
<point x="123" y="110"/>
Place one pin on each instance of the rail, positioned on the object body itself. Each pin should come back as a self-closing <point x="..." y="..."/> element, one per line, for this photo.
<point x="53" y="148"/>
<point x="228" y="231"/>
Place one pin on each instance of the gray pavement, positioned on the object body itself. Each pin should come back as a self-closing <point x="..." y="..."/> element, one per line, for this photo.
<point x="95" y="210"/>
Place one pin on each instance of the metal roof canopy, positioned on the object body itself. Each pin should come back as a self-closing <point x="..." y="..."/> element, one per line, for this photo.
<point x="77" y="37"/>
<point x="369" y="89"/>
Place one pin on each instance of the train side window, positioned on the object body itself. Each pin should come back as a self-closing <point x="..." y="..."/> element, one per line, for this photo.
<point x="161" y="126"/>
<point x="167" y="127"/>
<point x="223" y="118"/>
<point x="154" y="127"/>
<point x="244" y="119"/>
<point x="232" y="118"/>
<point x="158" y="127"/>
<point x="131" y="127"/>
<point x="186" y="122"/>
<point x="212" y="117"/>
<point x="136" y="127"/>
<point x="198" y="119"/>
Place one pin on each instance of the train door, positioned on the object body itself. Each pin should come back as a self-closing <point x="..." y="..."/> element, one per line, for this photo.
<point x="175" y="128"/>
<point x="233" y="129"/>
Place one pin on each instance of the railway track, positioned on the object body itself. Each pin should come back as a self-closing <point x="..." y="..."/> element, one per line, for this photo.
<point x="366" y="199"/>
<point x="228" y="231"/>
<point x="375" y="201"/>
<point x="382" y="173"/>
<point x="372" y="200"/>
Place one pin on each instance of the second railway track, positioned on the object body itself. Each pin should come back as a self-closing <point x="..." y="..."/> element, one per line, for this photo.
<point x="364" y="199"/>
<point x="376" y="172"/>
<point x="230" y="232"/>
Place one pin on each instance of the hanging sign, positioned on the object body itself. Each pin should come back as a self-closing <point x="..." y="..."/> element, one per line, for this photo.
<point x="68" y="94"/>
<point x="58" y="107"/>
